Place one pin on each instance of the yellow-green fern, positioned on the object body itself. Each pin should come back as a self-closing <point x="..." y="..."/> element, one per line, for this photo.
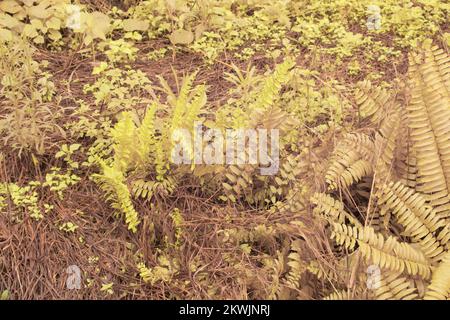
<point x="113" y="183"/>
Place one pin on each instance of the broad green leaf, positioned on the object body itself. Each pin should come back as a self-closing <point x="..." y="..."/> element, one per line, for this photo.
<point x="4" y="295"/>
<point x="39" y="40"/>
<point x="99" y="25"/>
<point x="53" y="23"/>
<point x="181" y="37"/>
<point x="40" y="11"/>
<point x="7" y="21"/>
<point x="59" y="154"/>
<point x="28" y="3"/>
<point x="30" y="31"/>
<point x="54" y="35"/>
<point x="10" y="6"/>
<point x="74" y="147"/>
<point x="99" y="69"/>
<point x="135" y="25"/>
<point x="5" y="35"/>
<point x="37" y="24"/>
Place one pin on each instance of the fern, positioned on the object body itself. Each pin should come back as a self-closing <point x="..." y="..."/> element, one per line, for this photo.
<point x="296" y="266"/>
<point x="147" y="189"/>
<point x="439" y="288"/>
<point x="428" y="116"/>
<point x="146" y="136"/>
<point x="362" y="143"/>
<point x="324" y="273"/>
<point x="339" y="295"/>
<point x="272" y="85"/>
<point x="332" y="209"/>
<point x="372" y="101"/>
<point x="112" y="182"/>
<point x="346" y="168"/>
<point x="186" y="110"/>
<point x="124" y="137"/>
<point x="420" y="221"/>
<point x="393" y="286"/>
<point x="385" y="145"/>
<point x="387" y="253"/>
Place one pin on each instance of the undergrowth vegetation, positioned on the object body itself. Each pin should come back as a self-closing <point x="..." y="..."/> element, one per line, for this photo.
<point x="94" y="95"/>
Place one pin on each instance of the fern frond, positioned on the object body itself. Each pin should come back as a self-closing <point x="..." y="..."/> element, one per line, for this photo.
<point x="272" y="85"/>
<point x="429" y="115"/>
<point x="439" y="288"/>
<point x="195" y="106"/>
<point x="146" y="135"/>
<point x="372" y="101"/>
<point x="185" y="113"/>
<point x="386" y="253"/>
<point x="147" y="189"/>
<point x="124" y="137"/>
<point x="324" y="273"/>
<point x="339" y="295"/>
<point x="385" y="144"/>
<point x="378" y="222"/>
<point x="420" y="220"/>
<point x="112" y="182"/>
<point x="393" y="286"/>
<point x="182" y="107"/>
<point x="143" y="189"/>
<point x="434" y="64"/>
<point x="362" y="143"/>
<point x="332" y="209"/>
<point x="346" y="168"/>
<point x="296" y="266"/>
<point x="405" y="165"/>
<point x="179" y="102"/>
